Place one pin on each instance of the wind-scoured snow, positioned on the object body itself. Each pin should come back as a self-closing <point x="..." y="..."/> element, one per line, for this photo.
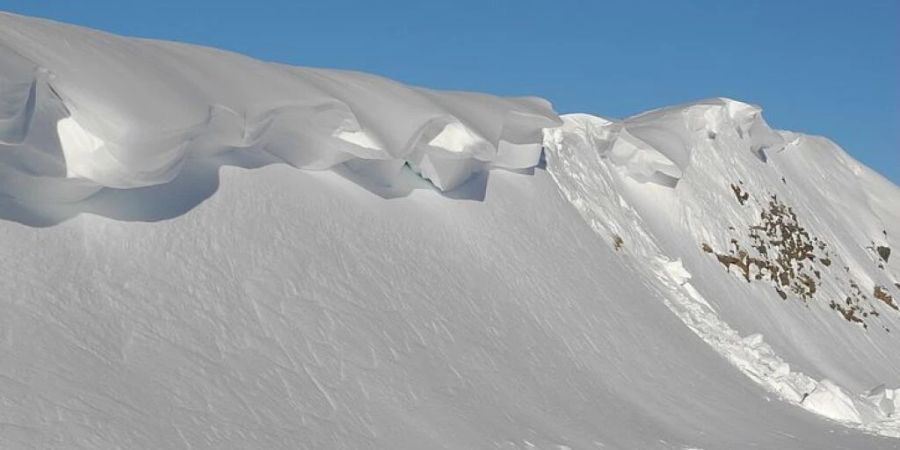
<point x="720" y="145"/>
<point x="684" y="278"/>
<point x="127" y="113"/>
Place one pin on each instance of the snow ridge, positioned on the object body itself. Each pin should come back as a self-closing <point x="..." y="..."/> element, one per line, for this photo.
<point x="81" y="111"/>
<point x="89" y="90"/>
<point x="642" y="201"/>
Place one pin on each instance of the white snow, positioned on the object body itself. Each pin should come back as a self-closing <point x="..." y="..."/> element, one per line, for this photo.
<point x="171" y="280"/>
<point x="716" y="142"/>
<point x="197" y="100"/>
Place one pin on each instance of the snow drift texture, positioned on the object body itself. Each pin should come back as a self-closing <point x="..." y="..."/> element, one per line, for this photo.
<point x="575" y="308"/>
<point x="81" y="109"/>
<point x="669" y="182"/>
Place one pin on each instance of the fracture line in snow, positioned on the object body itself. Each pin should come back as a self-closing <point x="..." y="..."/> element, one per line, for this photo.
<point x="582" y="168"/>
<point x="872" y="412"/>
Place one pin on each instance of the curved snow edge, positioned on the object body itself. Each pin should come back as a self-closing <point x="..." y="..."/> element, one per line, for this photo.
<point x="581" y="160"/>
<point x="88" y="109"/>
<point x="873" y="411"/>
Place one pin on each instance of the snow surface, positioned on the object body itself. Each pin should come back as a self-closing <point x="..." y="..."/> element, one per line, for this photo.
<point x="660" y="217"/>
<point x="172" y="281"/>
<point x="201" y="101"/>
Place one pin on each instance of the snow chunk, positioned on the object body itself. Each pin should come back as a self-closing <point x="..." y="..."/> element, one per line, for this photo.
<point x="634" y="157"/>
<point x="675" y="269"/>
<point x="883" y="399"/>
<point x="829" y="400"/>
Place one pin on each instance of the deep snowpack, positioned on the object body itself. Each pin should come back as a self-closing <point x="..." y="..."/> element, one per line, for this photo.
<point x="203" y="250"/>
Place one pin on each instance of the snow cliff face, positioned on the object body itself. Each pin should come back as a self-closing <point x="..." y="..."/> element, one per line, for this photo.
<point x="685" y="278"/>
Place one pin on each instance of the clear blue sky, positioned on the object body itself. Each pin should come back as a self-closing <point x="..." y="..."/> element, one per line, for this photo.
<point x="825" y="67"/>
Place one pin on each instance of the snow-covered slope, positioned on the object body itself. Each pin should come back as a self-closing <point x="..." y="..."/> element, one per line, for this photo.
<point x="805" y="231"/>
<point x="171" y="280"/>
